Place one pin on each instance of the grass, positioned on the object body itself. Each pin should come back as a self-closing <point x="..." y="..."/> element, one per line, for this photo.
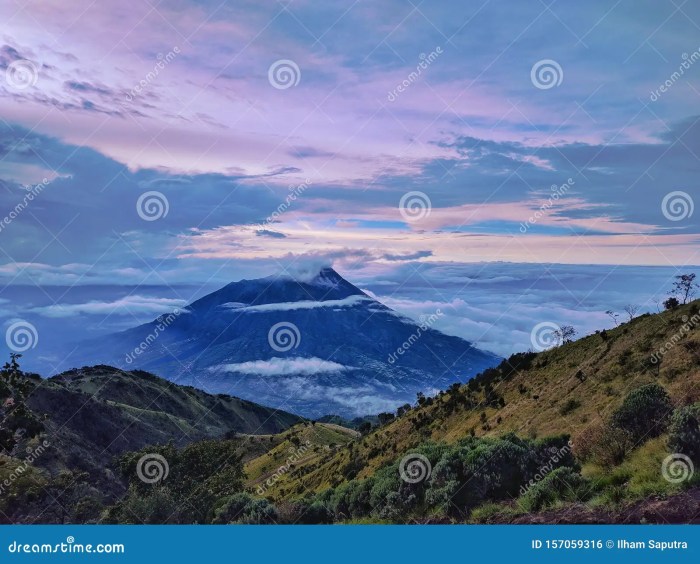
<point x="564" y="390"/>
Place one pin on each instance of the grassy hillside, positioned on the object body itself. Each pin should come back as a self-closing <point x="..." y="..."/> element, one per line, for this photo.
<point x="570" y="390"/>
<point x="579" y="433"/>
<point x="87" y="417"/>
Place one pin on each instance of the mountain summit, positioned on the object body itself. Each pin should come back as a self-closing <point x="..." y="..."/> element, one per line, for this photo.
<point x="313" y="345"/>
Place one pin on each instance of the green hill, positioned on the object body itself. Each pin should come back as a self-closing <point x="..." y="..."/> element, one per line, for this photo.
<point x="603" y="429"/>
<point x="571" y="390"/>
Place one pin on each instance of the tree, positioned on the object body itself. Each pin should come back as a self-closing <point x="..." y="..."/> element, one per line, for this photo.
<point x="565" y="333"/>
<point x="685" y="287"/>
<point x="671" y="303"/>
<point x="364" y="427"/>
<point x="385" y="418"/>
<point x="631" y="310"/>
<point x="684" y="432"/>
<point x="612" y="315"/>
<point x="644" y="413"/>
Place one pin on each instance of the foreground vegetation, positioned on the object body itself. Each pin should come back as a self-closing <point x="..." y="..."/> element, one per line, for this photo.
<point x="578" y="433"/>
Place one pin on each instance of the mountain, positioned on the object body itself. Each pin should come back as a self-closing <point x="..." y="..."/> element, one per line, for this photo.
<point x="101" y="411"/>
<point x="537" y="439"/>
<point x="313" y="347"/>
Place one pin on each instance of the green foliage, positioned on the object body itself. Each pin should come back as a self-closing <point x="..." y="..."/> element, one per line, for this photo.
<point x="644" y="412"/>
<point x="244" y="509"/>
<point x="198" y="477"/>
<point x="684" y="432"/>
<point x="613" y="445"/>
<point x="562" y="484"/>
<point x="569" y="406"/>
<point x="463" y="476"/>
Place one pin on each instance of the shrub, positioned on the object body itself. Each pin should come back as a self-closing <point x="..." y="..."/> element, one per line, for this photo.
<point x="569" y="406"/>
<point x="587" y="441"/>
<point x="613" y="446"/>
<point x="245" y="509"/>
<point x="562" y="484"/>
<point x="644" y="412"/>
<point x="684" y="432"/>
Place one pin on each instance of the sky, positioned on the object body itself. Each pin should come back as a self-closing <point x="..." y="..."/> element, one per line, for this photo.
<point x="187" y="144"/>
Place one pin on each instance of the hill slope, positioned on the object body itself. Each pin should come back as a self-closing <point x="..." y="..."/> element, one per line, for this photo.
<point x="93" y="414"/>
<point x="565" y="390"/>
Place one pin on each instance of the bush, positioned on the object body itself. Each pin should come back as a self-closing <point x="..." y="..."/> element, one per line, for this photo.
<point x="569" y="406"/>
<point x="305" y="513"/>
<point x="245" y="509"/>
<point x="562" y="484"/>
<point x="644" y="412"/>
<point x="587" y="441"/>
<point x="613" y="446"/>
<point x="684" y="432"/>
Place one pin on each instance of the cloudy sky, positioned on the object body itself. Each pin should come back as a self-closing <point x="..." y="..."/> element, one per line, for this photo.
<point x="194" y="143"/>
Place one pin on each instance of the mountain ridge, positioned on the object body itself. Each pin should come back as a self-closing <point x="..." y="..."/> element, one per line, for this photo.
<point x="312" y="346"/>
